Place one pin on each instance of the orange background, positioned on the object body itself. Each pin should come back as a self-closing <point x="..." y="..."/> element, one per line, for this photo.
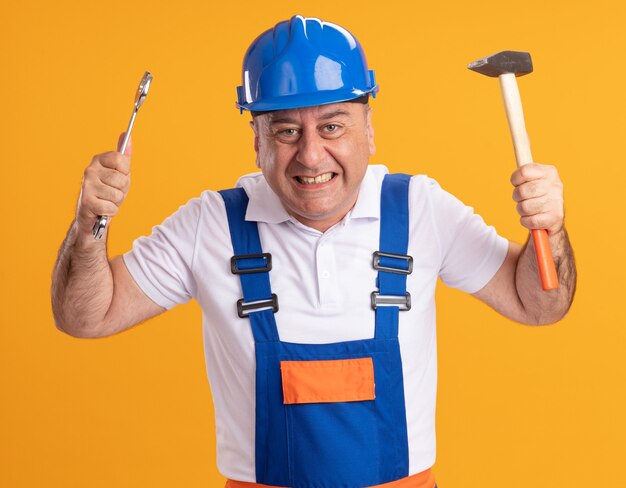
<point x="517" y="406"/>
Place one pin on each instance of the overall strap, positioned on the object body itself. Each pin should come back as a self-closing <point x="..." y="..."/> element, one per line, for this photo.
<point x="252" y="266"/>
<point x="391" y="261"/>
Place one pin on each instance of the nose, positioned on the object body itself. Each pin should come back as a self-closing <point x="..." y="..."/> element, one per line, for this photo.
<point x="311" y="149"/>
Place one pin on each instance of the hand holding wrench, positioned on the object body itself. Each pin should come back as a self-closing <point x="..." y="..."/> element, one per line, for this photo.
<point x="100" y="225"/>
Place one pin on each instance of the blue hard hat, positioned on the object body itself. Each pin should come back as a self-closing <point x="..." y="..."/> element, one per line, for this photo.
<point x="303" y="62"/>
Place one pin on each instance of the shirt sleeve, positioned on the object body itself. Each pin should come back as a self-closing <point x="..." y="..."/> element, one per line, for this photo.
<point x="471" y="251"/>
<point x="161" y="264"/>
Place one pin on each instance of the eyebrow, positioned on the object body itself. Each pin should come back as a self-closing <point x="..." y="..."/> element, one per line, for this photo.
<point x="332" y="115"/>
<point x="326" y="116"/>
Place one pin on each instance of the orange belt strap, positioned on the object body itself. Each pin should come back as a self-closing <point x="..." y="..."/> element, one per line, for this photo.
<point x="425" y="479"/>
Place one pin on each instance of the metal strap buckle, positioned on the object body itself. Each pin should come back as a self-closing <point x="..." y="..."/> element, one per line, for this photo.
<point x="402" y="302"/>
<point x="408" y="259"/>
<point x="234" y="268"/>
<point x="244" y="309"/>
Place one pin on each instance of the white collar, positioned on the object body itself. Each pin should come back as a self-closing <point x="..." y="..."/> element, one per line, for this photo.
<point x="265" y="206"/>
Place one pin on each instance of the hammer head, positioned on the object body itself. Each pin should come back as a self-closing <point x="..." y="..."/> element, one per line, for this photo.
<point x="517" y="62"/>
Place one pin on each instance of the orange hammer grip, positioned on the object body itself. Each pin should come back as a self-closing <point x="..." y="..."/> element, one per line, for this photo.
<point x="547" y="271"/>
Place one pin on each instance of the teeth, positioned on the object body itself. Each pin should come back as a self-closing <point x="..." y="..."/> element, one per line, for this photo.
<point x="318" y="179"/>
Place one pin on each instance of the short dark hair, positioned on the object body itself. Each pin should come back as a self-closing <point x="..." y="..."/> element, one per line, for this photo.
<point x="364" y="100"/>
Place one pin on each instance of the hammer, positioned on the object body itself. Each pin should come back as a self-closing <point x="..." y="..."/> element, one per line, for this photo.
<point x="506" y="65"/>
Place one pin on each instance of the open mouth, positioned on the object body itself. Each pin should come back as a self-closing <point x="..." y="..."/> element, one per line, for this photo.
<point x="323" y="178"/>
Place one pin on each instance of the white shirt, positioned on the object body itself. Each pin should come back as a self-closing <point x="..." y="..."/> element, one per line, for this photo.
<point x="323" y="282"/>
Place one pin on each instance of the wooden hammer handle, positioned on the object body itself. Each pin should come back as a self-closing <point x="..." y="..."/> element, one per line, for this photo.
<point x="521" y="144"/>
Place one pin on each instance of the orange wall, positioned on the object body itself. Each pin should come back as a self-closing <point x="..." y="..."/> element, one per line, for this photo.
<point x="517" y="407"/>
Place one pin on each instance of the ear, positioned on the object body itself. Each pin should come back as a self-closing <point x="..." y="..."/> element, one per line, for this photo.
<point x="370" y="131"/>
<point x="255" y="129"/>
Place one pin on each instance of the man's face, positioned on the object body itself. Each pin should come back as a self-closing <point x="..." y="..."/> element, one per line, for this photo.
<point x="314" y="158"/>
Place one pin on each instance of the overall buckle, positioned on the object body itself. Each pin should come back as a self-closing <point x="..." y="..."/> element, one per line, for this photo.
<point x="244" y="309"/>
<point x="402" y="302"/>
<point x="377" y="266"/>
<point x="235" y="269"/>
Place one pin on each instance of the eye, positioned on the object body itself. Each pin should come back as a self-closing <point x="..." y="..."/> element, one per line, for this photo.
<point x="332" y="131"/>
<point x="287" y="134"/>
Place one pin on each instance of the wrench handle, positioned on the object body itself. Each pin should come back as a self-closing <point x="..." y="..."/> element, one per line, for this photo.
<point x="523" y="155"/>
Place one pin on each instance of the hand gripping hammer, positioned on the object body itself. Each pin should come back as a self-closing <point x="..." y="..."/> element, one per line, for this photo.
<point x="506" y="65"/>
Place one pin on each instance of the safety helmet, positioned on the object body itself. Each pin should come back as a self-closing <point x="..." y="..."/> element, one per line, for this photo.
<point x="303" y="62"/>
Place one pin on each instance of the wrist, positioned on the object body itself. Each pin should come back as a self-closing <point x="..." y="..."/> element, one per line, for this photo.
<point x="558" y="235"/>
<point x="84" y="240"/>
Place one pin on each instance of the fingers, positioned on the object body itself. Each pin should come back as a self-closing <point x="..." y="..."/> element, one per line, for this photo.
<point x="529" y="172"/>
<point x="102" y="187"/>
<point x="106" y="182"/>
<point x="539" y="221"/>
<point x="113" y="160"/>
<point x="539" y="196"/>
<point x="532" y="206"/>
<point x="115" y="179"/>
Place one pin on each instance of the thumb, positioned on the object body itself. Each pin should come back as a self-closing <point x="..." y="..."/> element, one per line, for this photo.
<point x="129" y="146"/>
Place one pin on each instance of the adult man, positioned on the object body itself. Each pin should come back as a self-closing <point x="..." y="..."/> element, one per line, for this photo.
<point x="337" y="389"/>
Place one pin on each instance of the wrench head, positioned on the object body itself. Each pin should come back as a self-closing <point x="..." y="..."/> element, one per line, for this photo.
<point x="517" y="62"/>
<point x="142" y="90"/>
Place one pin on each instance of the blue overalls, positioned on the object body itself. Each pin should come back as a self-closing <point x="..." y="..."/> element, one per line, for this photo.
<point x="327" y="443"/>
